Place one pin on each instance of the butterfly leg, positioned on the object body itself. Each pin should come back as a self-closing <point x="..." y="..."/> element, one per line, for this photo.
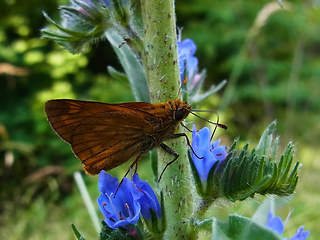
<point x="176" y="135"/>
<point x="136" y="165"/>
<point x="135" y="162"/>
<point x="169" y="150"/>
<point x="185" y="127"/>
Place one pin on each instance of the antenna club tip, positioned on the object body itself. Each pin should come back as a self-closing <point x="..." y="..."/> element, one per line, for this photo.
<point x="225" y="127"/>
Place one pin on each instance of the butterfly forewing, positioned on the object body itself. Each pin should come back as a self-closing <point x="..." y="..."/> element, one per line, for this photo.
<point x="102" y="135"/>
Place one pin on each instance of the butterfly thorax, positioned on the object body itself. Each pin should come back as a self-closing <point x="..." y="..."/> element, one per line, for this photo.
<point x="170" y="114"/>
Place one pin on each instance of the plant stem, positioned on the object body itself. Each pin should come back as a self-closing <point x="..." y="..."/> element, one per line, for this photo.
<point x="203" y="207"/>
<point x="163" y="78"/>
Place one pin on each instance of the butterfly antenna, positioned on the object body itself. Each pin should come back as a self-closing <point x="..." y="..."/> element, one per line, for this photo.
<point x="215" y="128"/>
<point x="184" y="81"/>
<point x="216" y="124"/>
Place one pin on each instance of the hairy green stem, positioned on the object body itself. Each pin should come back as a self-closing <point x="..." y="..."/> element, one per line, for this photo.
<point x="203" y="207"/>
<point x="163" y="78"/>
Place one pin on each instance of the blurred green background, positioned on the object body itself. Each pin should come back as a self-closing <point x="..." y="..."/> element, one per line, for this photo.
<point x="269" y="55"/>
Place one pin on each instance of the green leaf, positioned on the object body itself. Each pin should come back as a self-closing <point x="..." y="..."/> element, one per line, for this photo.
<point x="76" y="33"/>
<point x="197" y="98"/>
<point x="156" y="225"/>
<point x="153" y="155"/>
<point x="266" y="139"/>
<point x="121" y="233"/>
<point x="205" y="224"/>
<point x="116" y="75"/>
<point x="212" y="188"/>
<point x="247" y="173"/>
<point x="77" y="233"/>
<point x="261" y="214"/>
<point x="131" y="65"/>
<point x="241" y="228"/>
<point x="197" y="88"/>
<point x="83" y="23"/>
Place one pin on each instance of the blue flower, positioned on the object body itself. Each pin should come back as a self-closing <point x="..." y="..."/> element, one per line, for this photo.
<point x="187" y="62"/>
<point x="209" y="153"/>
<point x="275" y="224"/>
<point x="122" y="210"/>
<point x="300" y="234"/>
<point x="133" y="197"/>
<point x="148" y="200"/>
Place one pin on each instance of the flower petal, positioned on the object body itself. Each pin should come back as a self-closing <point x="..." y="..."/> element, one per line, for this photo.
<point x="219" y="153"/>
<point x="204" y="138"/>
<point x="192" y="67"/>
<point x="148" y="200"/>
<point x="120" y="209"/>
<point x="300" y="234"/>
<point x="207" y="153"/>
<point x="186" y="50"/>
<point x="204" y="164"/>
<point x="107" y="183"/>
<point x="275" y="223"/>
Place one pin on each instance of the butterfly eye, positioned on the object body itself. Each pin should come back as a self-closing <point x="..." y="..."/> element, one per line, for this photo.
<point x="178" y="115"/>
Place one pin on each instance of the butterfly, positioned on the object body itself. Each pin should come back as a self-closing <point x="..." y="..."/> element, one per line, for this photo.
<point x="104" y="136"/>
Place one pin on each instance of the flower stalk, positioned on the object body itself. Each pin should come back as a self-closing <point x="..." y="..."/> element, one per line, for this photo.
<point x="163" y="77"/>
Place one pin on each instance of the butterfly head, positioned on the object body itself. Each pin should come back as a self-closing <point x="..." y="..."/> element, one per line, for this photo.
<point x="181" y="109"/>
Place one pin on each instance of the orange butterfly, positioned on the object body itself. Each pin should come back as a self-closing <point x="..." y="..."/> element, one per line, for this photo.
<point x="104" y="136"/>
